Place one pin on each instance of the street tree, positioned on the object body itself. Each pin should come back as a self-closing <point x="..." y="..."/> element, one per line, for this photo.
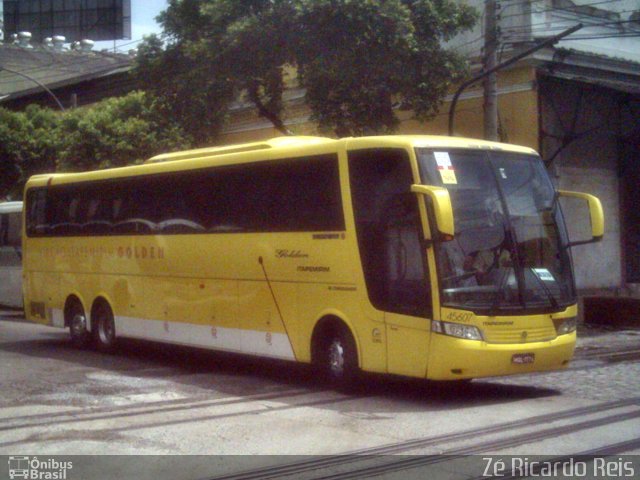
<point x="28" y="145"/>
<point x="11" y="131"/>
<point x="114" y="132"/>
<point x="358" y="61"/>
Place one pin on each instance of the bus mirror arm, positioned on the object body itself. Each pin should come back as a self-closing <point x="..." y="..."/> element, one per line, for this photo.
<point x="595" y="213"/>
<point x="443" y="211"/>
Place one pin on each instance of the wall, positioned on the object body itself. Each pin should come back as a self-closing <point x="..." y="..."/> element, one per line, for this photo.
<point x="587" y="117"/>
<point x="517" y="104"/>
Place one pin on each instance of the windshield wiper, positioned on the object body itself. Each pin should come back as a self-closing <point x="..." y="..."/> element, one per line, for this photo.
<point x="506" y="237"/>
<point x="497" y="300"/>
<point x="556" y="200"/>
<point x="516" y="261"/>
<point x="552" y="299"/>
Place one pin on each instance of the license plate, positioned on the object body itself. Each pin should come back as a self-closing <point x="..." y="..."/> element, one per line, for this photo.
<point x="523" y="358"/>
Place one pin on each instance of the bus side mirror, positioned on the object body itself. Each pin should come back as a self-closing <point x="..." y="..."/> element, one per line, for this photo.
<point x="595" y="213"/>
<point x="442" y="208"/>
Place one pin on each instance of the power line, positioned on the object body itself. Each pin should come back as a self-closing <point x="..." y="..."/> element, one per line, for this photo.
<point x="476" y="40"/>
<point x="512" y="37"/>
<point x="554" y="9"/>
<point x="60" y="66"/>
<point x="596" y="37"/>
<point x="65" y="59"/>
<point x="61" y="73"/>
<point x="597" y="24"/>
<point x="131" y="42"/>
<point x="511" y="61"/>
<point x="41" y="85"/>
<point x="509" y="31"/>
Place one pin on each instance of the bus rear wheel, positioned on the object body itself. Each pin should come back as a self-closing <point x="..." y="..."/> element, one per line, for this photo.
<point x="80" y="336"/>
<point x="105" y="328"/>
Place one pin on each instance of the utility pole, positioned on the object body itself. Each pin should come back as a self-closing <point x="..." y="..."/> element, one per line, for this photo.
<point x="489" y="62"/>
<point x="545" y="43"/>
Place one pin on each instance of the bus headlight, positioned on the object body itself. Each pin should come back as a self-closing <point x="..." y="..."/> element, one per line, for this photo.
<point x="565" y="325"/>
<point x="468" y="332"/>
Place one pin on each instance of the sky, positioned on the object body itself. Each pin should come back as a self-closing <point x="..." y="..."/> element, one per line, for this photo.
<point x="143" y="13"/>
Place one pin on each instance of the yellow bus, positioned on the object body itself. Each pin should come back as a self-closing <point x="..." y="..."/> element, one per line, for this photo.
<point x="430" y="257"/>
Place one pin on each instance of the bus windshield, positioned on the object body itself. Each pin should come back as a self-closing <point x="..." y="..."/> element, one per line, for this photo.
<point x="510" y="246"/>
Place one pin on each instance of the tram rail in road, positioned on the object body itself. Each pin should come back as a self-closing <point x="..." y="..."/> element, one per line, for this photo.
<point x="383" y="460"/>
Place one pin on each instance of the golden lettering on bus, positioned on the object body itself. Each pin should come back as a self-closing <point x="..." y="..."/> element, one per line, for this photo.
<point x="76" y="251"/>
<point x="142" y="253"/>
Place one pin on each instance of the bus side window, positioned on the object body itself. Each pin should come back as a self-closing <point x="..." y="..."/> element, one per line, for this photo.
<point x="13" y="234"/>
<point x="4" y="230"/>
<point x="388" y="231"/>
<point x="36" y="209"/>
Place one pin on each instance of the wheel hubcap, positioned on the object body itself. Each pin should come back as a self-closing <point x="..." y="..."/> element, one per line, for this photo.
<point x="336" y="358"/>
<point x="78" y="325"/>
<point x="106" y="330"/>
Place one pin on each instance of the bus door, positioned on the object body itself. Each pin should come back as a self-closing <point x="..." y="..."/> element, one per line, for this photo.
<point x="407" y="293"/>
<point x="393" y="258"/>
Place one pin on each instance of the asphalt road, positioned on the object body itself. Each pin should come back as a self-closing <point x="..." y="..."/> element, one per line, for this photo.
<point x="150" y="399"/>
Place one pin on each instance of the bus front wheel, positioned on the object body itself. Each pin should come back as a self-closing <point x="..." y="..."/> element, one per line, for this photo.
<point x="340" y="360"/>
<point x="105" y="328"/>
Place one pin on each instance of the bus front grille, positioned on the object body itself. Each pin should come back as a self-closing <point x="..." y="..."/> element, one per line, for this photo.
<point x="519" y="335"/>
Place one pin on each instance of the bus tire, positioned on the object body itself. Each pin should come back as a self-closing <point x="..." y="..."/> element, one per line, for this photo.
<point x="104" y="330"/>
<point x="77" y="321"/>
<point x="339" y="360"/>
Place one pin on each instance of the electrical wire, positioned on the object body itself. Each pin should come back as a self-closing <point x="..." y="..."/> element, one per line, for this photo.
<point x="67" y="63"/>
<point x="38" y="83"/>
<point x="476" y="40"/>
<point x="510" y="33"/>
<point x="67" y="57"/>
<point x="554" y="9"/>
<point x="49" y="79"/>
<point x="597" y="24"/>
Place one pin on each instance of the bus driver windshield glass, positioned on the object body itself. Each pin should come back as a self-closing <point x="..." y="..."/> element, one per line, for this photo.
<point x="510" y="246"/>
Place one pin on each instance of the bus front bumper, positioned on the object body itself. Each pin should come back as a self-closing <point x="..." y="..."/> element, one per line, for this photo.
<point x="454" y="358"/>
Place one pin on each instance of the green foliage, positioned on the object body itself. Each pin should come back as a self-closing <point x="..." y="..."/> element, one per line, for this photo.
<point x="357" y="59"/>
<point x="117" y="132"/>
<point x="184" y="89"/>
<point x="214" y="51"/>
<point x="114" y="132"/>
<point x="361" y="60"/>
<point x="11" y="129"/>
<point x="28" y="145"/>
